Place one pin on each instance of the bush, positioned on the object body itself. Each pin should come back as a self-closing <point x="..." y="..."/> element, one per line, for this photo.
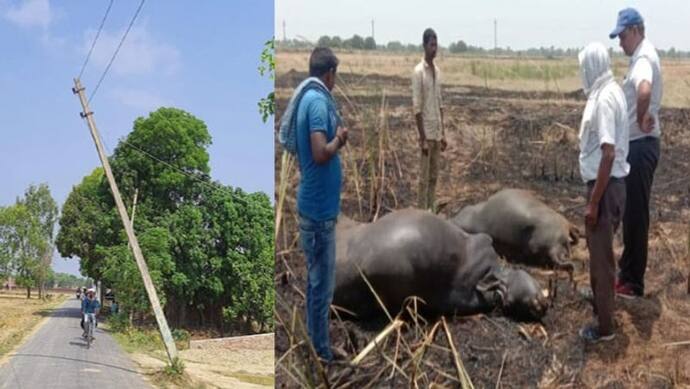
<point x="182" y="338"/>
<point x="119" y="322"/>
<point x="174" y="370"/>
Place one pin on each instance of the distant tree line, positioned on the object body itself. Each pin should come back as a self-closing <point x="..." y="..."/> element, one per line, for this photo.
<point x="26" y="239"/>
<point x="457" y="47"/>
<point x="65" y="280"/>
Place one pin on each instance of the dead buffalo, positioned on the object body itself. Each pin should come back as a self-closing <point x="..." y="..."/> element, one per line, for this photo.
<point x="523" y="228"/>
<point x="415" y="253"/>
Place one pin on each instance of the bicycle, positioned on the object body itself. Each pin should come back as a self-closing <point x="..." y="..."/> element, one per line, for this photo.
<point x="90" y="322"/>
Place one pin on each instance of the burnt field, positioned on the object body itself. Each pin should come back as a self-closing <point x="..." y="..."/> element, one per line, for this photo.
<point x="497" y="139"/>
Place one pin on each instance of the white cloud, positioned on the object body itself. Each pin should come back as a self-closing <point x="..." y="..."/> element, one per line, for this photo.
<point x="30" y="13"/>
<point x="140" y="99"/>
<point x="140" y="54"/>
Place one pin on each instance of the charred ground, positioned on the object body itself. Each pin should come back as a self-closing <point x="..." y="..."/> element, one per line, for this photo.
<point x="497" y="139"/>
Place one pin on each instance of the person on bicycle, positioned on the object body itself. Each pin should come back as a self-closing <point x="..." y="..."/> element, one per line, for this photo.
<point x="89" y="307"/>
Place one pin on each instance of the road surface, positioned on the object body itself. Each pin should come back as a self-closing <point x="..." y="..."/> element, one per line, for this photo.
<point x="56" y="357"/>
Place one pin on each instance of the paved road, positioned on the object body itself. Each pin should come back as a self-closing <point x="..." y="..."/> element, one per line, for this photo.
<point x="56" y="357"/>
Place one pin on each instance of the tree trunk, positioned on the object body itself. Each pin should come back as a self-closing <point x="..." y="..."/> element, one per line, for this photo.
<point x="183" y="314"/>
<point x="28" y="292"/>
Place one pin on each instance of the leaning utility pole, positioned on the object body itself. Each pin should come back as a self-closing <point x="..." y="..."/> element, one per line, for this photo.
<point x="134" y="243"/>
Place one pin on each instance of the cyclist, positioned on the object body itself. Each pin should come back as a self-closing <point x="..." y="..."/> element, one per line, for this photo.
<point x="89" y="309"/>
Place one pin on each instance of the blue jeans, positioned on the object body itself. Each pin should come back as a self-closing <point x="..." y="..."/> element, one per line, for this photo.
<point x="318" y="242"/>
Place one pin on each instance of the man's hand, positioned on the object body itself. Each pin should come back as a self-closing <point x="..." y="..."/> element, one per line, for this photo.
<point x="592" y="214"/>
<point x="444" y="143"/>
<point x="647" y="123"/>
<point x="424" y="146"/>
<point x="342" y="133"/>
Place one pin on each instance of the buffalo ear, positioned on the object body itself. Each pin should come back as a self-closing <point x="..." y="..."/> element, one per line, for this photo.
<point x="574" y="234"/>
<point x="489" y="285"/>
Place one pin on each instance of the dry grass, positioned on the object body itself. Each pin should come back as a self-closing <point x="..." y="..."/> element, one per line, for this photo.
<point x="19" y="316"/>
<point x="214" y="364"/>
<point x="515" y="74"/>
<point x="398" y="354"/>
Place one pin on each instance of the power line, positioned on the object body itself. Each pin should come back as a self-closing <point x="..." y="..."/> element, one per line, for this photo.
<point x="107" y="68"/>
<point x="95" y="39"/>
<point x="210" y="184"/>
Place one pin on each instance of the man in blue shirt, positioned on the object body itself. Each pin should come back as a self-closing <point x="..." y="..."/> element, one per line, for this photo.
<point x="89" y="306"/>
<point x="319" y="137"/>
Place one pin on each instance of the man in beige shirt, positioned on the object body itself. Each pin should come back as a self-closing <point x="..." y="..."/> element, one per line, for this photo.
<point x="428" y="111"/>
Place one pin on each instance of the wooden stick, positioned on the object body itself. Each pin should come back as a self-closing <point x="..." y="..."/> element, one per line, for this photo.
<point x="465" y="381"/>
<point x="377" y="340"/>
<point x="684" y="343"/>
<point x="419" y="353"/>
<point x="378" y="299"/>
<point x="395" y="355"/>
<point x="500" y="372"/>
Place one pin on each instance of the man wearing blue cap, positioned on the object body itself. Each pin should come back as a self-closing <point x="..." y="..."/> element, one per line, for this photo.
<point x="643" y="91"/>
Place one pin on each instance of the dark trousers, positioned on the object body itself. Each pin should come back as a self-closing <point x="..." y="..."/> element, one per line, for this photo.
<point x="602" y="268"/>
<point x="643" y="156"/>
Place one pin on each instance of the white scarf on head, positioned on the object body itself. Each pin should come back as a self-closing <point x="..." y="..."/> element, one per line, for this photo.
<point x="595" y="69"/>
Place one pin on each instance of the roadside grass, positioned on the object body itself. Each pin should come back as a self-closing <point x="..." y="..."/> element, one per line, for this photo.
<point x="197" y="369"/>
<point x="139" y="340"/>
<point x="148" y="341"/>
<point x="21" y="315"/>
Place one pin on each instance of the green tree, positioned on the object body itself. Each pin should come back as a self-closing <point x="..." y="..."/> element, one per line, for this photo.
<point x="88" y="221"/>
<point x="395" y="46"/>
<point x="44" y="210"/>
<point x="458" y="47"/>
<point x="23" y="244"/>
<point x="324" y="41"/>
<point x="6" y="254"/>
<point x="209" y="247"/>
<point x="369" y="43"/>
<point x="65" y="280"/>
<point x="336" y="42"/>
<point x="26" y="238"/>
<point x="356" y="42"/>
<point x="267" y="105"/>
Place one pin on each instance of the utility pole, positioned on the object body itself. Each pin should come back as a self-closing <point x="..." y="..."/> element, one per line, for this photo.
<point x="372" y="29"/>
<point x="141" y="263"/>
<point x="495" y="37"/>
<point x="284" y="34"/>
<point x="134" y="206"/>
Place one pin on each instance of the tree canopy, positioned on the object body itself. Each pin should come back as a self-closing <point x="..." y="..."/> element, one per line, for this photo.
<point x="208" y="246"/>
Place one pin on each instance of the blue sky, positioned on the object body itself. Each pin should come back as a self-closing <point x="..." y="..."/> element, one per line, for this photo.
<point x="201" y="56"/>
<point x="521" y="23"/>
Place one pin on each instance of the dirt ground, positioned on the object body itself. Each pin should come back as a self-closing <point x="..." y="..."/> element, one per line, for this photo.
<point x="18" y="316"/>
<point x="497" y="139"/>
<point x="243" y="362"/>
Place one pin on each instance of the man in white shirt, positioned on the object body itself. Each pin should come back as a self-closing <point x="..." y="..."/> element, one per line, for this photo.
<point x="643" y="92"/>
<point x="603" y="167"/>
<point x="428" y="112"/>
